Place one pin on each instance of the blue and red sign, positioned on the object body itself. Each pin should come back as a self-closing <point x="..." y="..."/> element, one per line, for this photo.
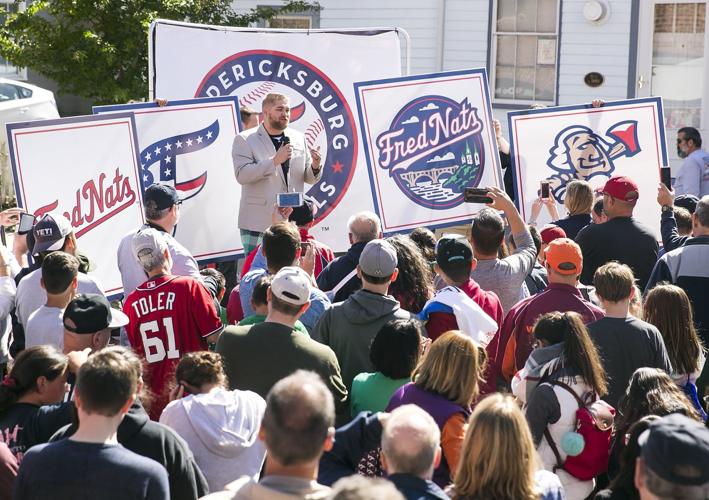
<point x="318" y="109"/>
<point x="433" y="150"/>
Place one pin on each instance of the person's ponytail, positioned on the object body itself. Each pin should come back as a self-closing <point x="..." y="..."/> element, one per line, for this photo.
<point x="30" y="364"/>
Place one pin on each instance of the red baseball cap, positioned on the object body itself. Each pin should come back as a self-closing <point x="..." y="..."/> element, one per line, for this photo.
<point x="564" y="256"/>
<point x="551" y="232"/>
<point x="622" y="188"/>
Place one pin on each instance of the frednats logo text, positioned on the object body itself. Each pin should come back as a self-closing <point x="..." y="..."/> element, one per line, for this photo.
<point x="433" y="150"/>
<point x="318" y="109"/>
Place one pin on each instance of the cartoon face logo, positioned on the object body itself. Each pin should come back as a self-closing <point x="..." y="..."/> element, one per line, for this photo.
<point x="433" y="150"/>
<point x="318" y="110"/>
<point x="580" y="153"/>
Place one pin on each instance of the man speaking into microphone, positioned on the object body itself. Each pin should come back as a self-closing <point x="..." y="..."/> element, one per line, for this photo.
<point x="271" y="159"/>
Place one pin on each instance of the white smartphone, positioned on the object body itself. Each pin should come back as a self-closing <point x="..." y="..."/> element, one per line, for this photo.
<point x="290" y="199"/>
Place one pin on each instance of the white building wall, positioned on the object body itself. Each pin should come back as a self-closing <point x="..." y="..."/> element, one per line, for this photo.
<point x="465" y="34"/>
<point x="587" y="47"/>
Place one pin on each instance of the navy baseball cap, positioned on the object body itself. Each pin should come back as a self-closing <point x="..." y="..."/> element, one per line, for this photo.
<point x="452" y="249"/>
<point x="688" y="201"/>
<point x="304" y="214"/>
<point x="49" y="232"/>
<point x="676" y="448"/>
<point x="161" y="195"/>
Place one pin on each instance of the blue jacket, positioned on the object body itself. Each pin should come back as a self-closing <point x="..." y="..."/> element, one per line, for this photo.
<point x="338" y="269"/>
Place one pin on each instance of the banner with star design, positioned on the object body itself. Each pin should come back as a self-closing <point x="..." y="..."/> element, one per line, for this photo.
<point x="316" y="69"/>
<point x="87" y="169"/>
<point x="187" y="144"/>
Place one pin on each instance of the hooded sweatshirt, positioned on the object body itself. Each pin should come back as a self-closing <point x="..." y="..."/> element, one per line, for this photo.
<point x="221" y="428"/>
<point x="349" y="327"/>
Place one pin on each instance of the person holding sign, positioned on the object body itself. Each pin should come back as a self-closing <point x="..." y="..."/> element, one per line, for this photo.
<point x="270" y="160"/>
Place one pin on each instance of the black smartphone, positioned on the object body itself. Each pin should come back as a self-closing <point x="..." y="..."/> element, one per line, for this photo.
<point x="666" y="176"/>
<point x="476" y="195"/>
<point x="26" y="223"/>
<point x="544" y="189"/>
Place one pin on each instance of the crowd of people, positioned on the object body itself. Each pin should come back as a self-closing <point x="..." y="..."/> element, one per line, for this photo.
<point x="514" y="363"/>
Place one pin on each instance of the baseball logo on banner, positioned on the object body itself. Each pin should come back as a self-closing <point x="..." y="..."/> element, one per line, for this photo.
<point x="87" y="169"/>
<point x="318" y="108"/>
<point x="427" y="138"/>
<point x="187" y="144"/>
<point x="567" y="143"/>
<point x="189" y="60"/>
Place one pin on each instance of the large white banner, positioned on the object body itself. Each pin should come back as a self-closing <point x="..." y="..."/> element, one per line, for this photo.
<point x="427" y="138"/>
<point x="86" y="168"/>
<point x="315" y="68"/>
<point x="188" y="144"/>
<point x="565" y="143"/>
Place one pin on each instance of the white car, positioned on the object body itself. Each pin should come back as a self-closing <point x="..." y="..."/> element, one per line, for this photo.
<point x="22" y="102"/>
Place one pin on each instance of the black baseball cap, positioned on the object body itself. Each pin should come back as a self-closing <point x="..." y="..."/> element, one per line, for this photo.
<point x="676" y="448"/>
<point x="304" y="214"/>
<point x="688" y="201"/>
<point x="453" y="249"/>
<point x="162" y="195"/>
<point x="90" y="313"/>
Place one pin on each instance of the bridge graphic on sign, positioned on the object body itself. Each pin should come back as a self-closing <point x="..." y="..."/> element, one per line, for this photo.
<point x="433" y="174"/>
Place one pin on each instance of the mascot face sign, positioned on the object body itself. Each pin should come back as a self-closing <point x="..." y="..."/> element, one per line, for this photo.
<point x="318" y="109"/>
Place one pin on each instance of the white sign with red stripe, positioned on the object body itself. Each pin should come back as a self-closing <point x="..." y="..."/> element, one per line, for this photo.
<point x="188" y="144"/>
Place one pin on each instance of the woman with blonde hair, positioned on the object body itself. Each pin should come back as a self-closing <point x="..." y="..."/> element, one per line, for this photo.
<point x="497" y="430"/>
<point x="579" y="203"/>
<point x="445" y="385"/>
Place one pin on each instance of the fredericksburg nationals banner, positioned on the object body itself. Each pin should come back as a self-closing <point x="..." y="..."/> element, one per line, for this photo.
<point x="188" y="144"/>
<point x="561" y="144"/>
<point x="426" y="139"/>
<point x="86" y="168"/>
<point x="315" y="68"/>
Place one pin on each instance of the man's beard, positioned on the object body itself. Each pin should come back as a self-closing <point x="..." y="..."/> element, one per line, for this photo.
<point x="680" y="153"/>
<point x="277" y="124"/>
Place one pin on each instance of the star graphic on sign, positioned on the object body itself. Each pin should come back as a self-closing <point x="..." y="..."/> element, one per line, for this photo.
<point x="145" y="178"/>
<point x="178" y="144"/>
<point x="168" y="159"/>
<point x="168" y="146"/>
<point x="147" y="156"/>
<point x="337" y="167"/>
<point x="167" y="172"/>
<point x="209" y="134"/>
<point x="199" y="140"/>
<point x="189" y="142"/>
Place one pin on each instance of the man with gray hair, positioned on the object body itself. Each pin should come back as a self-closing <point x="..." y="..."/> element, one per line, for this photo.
<point x="168" y="315"/>
<point x="674" y="460"/>
<point x="161" y="205"/>
<point x="298" y="426"/>
<point x="687" y="268"/>
<point x="411" y="451"/>
<point x="340" y="278"/>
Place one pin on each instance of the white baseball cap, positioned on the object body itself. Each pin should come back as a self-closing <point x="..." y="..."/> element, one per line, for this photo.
<point x="148" y="242"/>
<point x="291" y="284"/>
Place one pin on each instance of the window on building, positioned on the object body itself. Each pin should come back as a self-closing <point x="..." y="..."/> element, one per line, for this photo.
<point x="307" y="19"/>
<point x="524" y="51"/>
<point x="7" y="70"/>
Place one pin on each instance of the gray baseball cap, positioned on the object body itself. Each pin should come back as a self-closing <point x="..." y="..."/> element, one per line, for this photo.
<point x="148" y="242"/>
<point x="378" y="259"/>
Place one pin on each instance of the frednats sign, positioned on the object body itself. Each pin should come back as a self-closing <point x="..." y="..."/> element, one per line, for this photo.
<point x="562" y="144"/>
<point x="86" y="168"/>
<point x="427" y="138"/>
<point x="315" y="69"/>
<point x="188" y="144"/>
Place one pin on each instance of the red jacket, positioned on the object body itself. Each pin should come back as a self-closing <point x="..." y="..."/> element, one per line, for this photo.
<point x="513" y="344"/>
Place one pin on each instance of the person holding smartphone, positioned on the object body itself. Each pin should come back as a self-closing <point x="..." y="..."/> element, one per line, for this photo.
<point x="274" y="159"/>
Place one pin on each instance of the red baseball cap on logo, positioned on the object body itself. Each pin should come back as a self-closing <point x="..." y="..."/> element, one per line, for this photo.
<point x="622" y="188"/>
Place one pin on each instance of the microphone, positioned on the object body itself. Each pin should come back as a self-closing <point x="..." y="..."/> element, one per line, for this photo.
<point x="286" y="164"/>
